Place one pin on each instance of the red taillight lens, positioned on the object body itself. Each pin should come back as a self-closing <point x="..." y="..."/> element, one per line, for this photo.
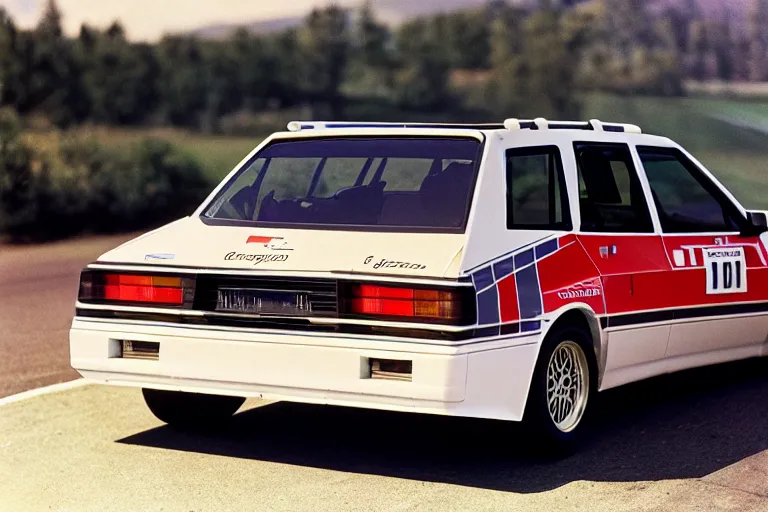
<point x="145" y="289"/>
<point x="367" y="299"/>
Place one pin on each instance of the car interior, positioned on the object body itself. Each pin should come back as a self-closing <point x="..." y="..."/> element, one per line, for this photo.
<point x="440" y="201"/>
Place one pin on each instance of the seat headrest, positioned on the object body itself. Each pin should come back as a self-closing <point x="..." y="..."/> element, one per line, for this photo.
<point x="597" y="173"/>
<point x="456" y="171"/>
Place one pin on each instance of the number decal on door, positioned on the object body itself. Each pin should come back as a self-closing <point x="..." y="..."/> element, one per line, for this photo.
<point x="726" y="270"/>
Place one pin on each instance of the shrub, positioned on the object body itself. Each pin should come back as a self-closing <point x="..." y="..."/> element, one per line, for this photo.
<point x="24" y="183"/>
<point x="91" y="188"/>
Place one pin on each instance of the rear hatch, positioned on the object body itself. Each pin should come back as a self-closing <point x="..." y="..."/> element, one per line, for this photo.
<point x="192" y="243"/>
<point x="374" y="204"/>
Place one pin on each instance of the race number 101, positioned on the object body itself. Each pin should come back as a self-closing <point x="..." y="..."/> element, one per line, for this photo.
<point x="726" y="270"/>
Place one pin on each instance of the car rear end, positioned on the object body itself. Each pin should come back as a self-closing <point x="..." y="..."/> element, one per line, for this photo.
<point x="325" y="269"/>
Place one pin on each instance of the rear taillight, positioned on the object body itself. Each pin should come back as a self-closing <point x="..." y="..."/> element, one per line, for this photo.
<point x="108" y="287"/>
<point x="446" y="305"/>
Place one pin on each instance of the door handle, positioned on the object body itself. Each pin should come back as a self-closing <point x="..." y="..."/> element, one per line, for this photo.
<point x="607" y="250"/>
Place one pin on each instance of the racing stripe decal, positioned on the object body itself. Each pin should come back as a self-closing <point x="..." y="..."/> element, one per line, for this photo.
<point x="546" y="248"/>
<point x="488" y="307"/>
<point x="508" y="290"/>
<point x="528" y="292"/>
<point x="483" y="278"/>
<point x="524" y="258"/>
<point x="503" y="268"/>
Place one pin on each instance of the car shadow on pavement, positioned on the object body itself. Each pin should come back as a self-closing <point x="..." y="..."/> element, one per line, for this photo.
<point x="686" y="425"/>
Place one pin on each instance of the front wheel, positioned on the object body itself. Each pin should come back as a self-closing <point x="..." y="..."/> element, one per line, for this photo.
<point x="563" y="382"/>
<point x="191" y="411"/>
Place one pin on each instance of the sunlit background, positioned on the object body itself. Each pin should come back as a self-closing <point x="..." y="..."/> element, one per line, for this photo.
<point x="118" y="116"/>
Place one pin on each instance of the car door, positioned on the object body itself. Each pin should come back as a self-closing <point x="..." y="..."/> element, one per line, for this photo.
<point x="618" y="234"/>
<point x="716" y="287"/>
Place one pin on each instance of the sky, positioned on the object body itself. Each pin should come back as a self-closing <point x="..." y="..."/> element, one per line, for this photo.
<point x="149" y="19"/>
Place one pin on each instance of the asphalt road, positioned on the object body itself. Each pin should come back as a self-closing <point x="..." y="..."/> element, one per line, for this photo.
<point x="38" y="287"/>
<point x="692" y="441"/>
<point x="695" y="441"/>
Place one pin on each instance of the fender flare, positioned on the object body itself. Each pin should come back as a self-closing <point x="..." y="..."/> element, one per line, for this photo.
<point x="599" y="337"/>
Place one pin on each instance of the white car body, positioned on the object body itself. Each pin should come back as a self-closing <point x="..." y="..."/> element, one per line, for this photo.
<point x="488" y="374"/>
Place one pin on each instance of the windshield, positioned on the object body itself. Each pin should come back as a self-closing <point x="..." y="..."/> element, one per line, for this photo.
<point x="388" y="183"/>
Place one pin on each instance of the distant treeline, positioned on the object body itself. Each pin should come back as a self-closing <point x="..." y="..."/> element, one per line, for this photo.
<point x="485" y="63"/>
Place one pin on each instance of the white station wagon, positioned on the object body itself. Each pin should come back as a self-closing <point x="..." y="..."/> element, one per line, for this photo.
<point x="502" y="271"/>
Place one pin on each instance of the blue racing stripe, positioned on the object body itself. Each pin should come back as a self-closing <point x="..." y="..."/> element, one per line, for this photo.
<point x="504" y="267"/>
<point x="533" y="325"/>
<point x="528" y="294"/>
<point x="546" y="248"/>
<point x="488" y="307"/>
<point x="524" y="258"/>
<point x="483" y="278"/>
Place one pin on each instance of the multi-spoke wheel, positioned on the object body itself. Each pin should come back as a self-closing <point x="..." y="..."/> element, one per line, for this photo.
<point x="563" y="381"/>
<point x="567" y="385"/>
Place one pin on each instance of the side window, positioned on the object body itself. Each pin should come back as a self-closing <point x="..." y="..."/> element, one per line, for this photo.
<point x="536" y="192"/>
<point x="687" y="201"/>
<point x="611" y="198"/>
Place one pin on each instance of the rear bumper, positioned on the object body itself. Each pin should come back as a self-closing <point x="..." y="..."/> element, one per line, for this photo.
<point x="488" y="379"/>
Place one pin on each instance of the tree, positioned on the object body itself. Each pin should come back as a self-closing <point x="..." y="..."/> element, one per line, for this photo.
<point x="549" y="77"/>
<point x="467" y="37"/>
<point x="52" y="78"/>
<point x="182" y="82"/>
<point x="22" y="178"/>
<point x="284" y="57"/>
<point x="10" y="64"/>
<point x="535" y="76"/>
<point x="506" y="35"/>
<point x="758" y="37"/>
<point x="121" y="79"/>
<point x="373" y="39"/>
<point x="422" y="85"/>
<point x="50" y="24"/>
<point x="325" y="44"/>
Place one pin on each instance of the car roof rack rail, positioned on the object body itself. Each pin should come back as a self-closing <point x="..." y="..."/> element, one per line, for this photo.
<point x="510" y="124"/>
<point x="297" y="126"/>
<point x="593" y="124"/>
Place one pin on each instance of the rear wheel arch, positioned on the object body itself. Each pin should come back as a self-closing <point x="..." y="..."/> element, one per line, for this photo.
<point x="584" y="318"/>
<point x="572" y="335"/>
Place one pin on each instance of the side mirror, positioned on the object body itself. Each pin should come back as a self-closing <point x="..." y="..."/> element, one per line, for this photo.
<point x="758" y="223"/>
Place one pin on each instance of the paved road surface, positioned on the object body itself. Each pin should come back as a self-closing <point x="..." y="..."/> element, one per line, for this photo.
<point x="693" y="441"/>
<point x="38" y="286"/>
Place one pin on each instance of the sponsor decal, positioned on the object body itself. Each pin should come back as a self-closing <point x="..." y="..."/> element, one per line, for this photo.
<point x="581" y="290"/>
<point x="692" y="256"/>
<point x="726" y="270"/>
<point x="159" y="256"/>
<point x="384" y="263"/>
<point x="274" y="243"/>
<point x="255" y="258"/>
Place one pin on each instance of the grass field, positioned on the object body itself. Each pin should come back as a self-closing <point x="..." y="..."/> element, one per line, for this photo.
<point x="216" y="153"/>
<point x="730" y="137"/>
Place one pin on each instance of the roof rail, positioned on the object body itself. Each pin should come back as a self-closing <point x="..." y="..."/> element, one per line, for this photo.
<point x="594" y="124"/>
<point x="297" y="126"/>
<point x="510" y="124"/>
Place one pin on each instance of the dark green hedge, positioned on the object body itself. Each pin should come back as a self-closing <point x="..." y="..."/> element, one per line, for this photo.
<point x="89" y="188"/>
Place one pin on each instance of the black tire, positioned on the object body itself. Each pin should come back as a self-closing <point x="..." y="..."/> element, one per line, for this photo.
<point x="191" y="411"/>
<point x="551" y="438"/>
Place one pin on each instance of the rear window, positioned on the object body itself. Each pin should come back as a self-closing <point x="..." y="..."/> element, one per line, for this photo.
<point x="397" y="184"/>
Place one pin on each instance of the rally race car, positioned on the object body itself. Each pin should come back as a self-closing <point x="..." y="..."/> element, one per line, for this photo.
<point x="504" y="271"/>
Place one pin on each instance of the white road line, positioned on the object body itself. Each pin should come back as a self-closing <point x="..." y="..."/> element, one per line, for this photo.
<point x="47" y="390"/>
